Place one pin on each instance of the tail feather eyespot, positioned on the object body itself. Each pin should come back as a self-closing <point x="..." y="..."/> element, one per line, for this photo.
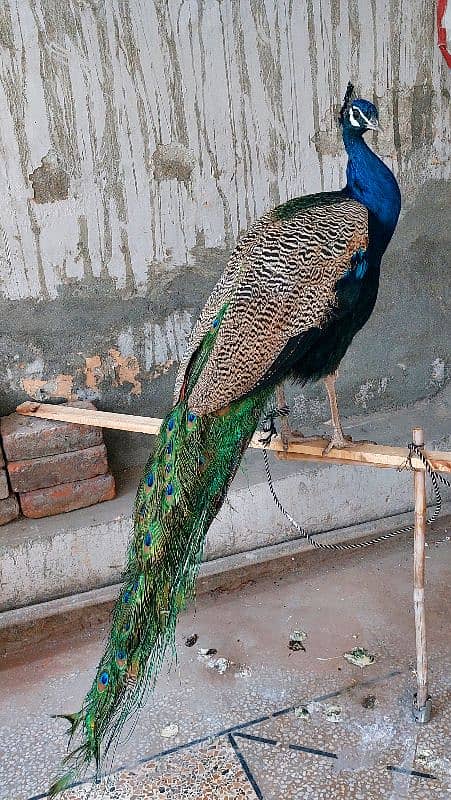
<point x="103" y="682"/>
<point x="169" y="493"/>
<point x="121" y="659"/>
<point x="191" y="420"/>
<point x="204" y="461"/>
<point x="147" y="543"/>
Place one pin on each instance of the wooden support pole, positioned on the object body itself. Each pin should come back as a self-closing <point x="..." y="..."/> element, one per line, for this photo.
<point x="422" y="701"/>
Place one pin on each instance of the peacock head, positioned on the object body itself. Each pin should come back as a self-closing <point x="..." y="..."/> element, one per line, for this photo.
<point x="357" y="115"/>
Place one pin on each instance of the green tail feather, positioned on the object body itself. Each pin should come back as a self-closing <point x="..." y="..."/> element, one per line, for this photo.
<point x="62" y="784"/>
<point x="182" y="489"/>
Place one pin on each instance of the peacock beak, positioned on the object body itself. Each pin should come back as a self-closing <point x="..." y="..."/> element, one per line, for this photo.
<point x="373" y="124"/>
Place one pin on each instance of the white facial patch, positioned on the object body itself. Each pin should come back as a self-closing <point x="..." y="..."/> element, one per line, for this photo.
<point x="353" y="119"/>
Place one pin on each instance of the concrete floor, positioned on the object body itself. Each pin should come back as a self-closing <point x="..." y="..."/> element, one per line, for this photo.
<point x="239" y="733"/>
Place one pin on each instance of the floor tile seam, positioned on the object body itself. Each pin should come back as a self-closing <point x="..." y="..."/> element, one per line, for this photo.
<point x="245" y="766"/>
<point x="327" y="754"/>
<point x="234" y="728"/>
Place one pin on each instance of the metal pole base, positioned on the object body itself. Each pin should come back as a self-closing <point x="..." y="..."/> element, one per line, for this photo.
<point x="423" y="714"/>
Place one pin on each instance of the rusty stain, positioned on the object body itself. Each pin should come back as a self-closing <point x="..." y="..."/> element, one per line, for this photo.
<point x="93" y="371"/>
<point x="60" y="386"/>
<point x="161" y="369"/>
<point x="119" y="370"/>
<point x="126" y="370"/>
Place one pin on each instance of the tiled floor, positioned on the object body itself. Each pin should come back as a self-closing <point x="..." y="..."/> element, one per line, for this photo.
<point x="238" y="732"/>
<point x="208" y="773"/>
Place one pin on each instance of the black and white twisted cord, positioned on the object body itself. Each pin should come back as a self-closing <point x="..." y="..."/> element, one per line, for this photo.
<point x="413" y="450"/>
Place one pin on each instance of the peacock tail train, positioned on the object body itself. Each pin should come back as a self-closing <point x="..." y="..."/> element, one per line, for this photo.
<point x="181" y="491"/>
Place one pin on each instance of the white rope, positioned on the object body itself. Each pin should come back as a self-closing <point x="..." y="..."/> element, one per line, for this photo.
<point x="413" y="449"/>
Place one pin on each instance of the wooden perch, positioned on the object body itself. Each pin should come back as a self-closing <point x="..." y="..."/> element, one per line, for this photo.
<point x="312" y="450"/>
<point x="85" y="416"/>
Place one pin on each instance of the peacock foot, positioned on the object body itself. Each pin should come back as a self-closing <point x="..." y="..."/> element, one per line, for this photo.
<point x="340" y="441"/>
<point x="289" y="436"/>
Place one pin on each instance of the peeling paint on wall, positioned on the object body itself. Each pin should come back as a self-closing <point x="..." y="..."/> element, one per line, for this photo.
<point x="173" y="161"/>
<point x="50" y="182"/>
<point x="125" y="370"/>
<point x="163" y="121"/>
<point x="369" y="390"/>
<point x="142" y="354"/>
<point x="59" y="386"/>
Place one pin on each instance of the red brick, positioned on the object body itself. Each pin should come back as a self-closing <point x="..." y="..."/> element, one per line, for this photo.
<point x="67" y="496"/>
<point x="39" y="473"/>
<point x="30" y="437"/>
<point x="9" y="509"/>
<point x="4" y="488"/>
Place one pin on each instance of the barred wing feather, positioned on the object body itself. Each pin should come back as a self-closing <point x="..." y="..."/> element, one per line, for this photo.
<point x="282" y="284"/>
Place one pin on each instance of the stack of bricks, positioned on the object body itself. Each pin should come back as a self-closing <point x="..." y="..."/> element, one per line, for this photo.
<point x="55" y="466"/>
<point x="9" y="507"/>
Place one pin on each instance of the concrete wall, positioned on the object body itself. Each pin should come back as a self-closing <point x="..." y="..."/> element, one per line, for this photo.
<point x="139" y="137"/>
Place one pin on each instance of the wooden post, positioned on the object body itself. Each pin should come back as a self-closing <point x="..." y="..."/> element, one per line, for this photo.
<point x="422" y="701"/>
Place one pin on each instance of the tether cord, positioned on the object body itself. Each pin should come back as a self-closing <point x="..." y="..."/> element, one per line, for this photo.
<point x="413" y="450"/>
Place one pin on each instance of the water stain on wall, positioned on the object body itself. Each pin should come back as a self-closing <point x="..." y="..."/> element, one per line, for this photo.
<point x="173" y="161"/>
<point x="50" y="181"/>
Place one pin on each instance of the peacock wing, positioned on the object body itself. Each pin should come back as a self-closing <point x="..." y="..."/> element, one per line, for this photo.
<point x="286" y="286"/>
<point x="223" y="290"/>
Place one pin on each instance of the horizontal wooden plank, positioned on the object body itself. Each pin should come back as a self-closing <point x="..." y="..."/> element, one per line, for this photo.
<point x="100" y="419"/>
<point x="382" y="456"/>
<point x="373" y="455"/>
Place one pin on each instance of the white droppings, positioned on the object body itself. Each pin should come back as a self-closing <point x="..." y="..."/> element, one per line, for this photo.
<point x="169" y="731"/>
<point x="220" y="664"/>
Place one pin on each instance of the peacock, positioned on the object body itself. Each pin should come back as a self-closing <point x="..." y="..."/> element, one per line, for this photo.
<point x="300" y="284"/>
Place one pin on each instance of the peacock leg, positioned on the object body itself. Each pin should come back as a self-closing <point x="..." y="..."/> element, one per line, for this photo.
<point x="338" y="438"/>
<point x="286" y="433"/>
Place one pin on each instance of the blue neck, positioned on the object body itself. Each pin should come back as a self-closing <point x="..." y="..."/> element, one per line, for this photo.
<point x="372" y="183"/>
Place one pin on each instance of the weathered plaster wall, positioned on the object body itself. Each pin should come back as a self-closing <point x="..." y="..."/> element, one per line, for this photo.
<point x="139" y="137"/>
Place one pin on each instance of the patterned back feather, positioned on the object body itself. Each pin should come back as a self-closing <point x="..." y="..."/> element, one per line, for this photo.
<point x="281" y="281"/>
